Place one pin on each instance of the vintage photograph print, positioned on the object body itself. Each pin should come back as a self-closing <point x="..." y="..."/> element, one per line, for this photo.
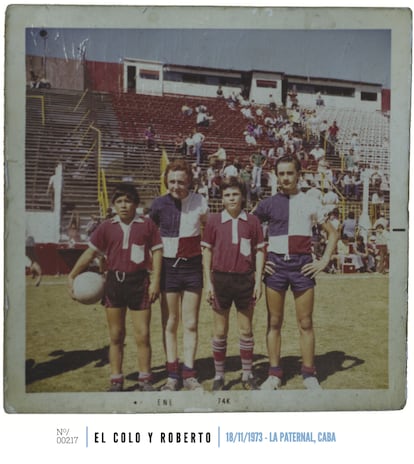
<point x="206" y="209"/>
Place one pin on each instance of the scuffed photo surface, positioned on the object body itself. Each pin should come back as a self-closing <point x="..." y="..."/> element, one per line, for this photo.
<point x="90" y="96"/>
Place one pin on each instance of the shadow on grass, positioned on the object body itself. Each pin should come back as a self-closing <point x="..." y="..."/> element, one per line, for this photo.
<point x="64" y="361"/>
<point x="326" y="365"/>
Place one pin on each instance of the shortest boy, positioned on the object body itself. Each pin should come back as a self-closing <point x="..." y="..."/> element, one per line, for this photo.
<point x="128" y="242"/>
<point x="233" y="260"/>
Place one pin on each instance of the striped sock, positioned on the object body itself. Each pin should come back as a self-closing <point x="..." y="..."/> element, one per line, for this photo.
<point x="173" y="369"/>
<point x="188" y="372"/>
<point x="246" y="355"/>
<point x="117" y="378"/>
<point x="145" y="377"/>
<point x="276" y="371"/>
<point x="219" y="346"/>
<point x="308" y="371"/>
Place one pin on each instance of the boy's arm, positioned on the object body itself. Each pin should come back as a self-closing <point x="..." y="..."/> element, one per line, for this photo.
<point x="260" y="259"/>
<point x="81" y="264"/>
<point x="154" y="287"/>
<point x="207" y="260"/>
<point x="315" y="267"/>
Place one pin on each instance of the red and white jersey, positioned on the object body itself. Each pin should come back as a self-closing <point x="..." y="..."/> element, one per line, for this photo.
<point x="290" y="219"/>
<point x="127" y="247"/>
<point x="180" y="224"/>
<point x="234" y="241"/>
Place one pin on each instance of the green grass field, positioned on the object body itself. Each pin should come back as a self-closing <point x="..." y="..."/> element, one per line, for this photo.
<point x="66" y="342"/>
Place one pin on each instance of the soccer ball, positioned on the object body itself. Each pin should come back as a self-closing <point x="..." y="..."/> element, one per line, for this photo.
<point x="88" y="288"/>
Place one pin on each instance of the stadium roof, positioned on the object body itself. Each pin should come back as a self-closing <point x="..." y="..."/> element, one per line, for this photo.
<point x="362" y="55"/>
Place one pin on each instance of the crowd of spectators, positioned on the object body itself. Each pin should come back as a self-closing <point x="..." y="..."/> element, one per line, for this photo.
<point x="271" y="132"/>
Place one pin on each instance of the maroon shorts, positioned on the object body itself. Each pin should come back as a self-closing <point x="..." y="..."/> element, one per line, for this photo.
<point x="127" y="290"/>
<point x="230" y="287"/>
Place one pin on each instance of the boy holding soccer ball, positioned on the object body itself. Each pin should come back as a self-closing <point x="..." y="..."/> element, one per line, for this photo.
<point x="132" y="246"/>
<point x="233" y="260"/>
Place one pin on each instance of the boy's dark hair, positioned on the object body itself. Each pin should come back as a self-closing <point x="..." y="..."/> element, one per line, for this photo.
<point x="128" y="190"/>
<point x="234" y="182"/>
<point x="288" y="159"/>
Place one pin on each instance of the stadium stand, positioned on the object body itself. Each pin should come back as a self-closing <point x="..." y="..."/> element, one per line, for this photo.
<point x="73" y="119"/>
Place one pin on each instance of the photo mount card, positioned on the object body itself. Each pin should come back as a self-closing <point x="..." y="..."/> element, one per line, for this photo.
<point x="69" y="82"/>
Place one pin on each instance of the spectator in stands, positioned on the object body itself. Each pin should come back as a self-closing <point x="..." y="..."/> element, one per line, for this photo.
<point x="32" y="260"/>
<point x="203" y="118"/>
<point x="313" y="125"/>
<point x="179" y="144"/>
<point x="202" y="187"/>
<point x="349" y="226"/>
<point x="198" y="140"/>
<point x="272" y="103"/>
<point x="333" y="133"/>
<point x="381" y="220"/>
<point x="150" y="137"/>
<point x="249" y="139"/>
<point x="186" y="110"/>
<point x="189" y="145"/>
<point x="210" y="173"/>
<point x="348" y="182"/>
<point x="334" y="219"/>
<point x="314" y="192"/>
<point x="219" y="92"/>
<point x="247" y="178"/>
<point x="73" y="229"/>
<point x="219" y="156"/>
<point x="355" y="145"/>
<point x="376" y="178"/>
<point x="377" y="201"/>
<point x="326" y="174"/>
<point x="92" y="224"/>
<point x="55" y="184"/>
<point x="345" y="253"/>
<point x="361" y="250"/>
<point x="382" y="240"/>
<point x="246" y="111"/>
<point x="109" y="213"/>
<point x="318" y="153"/>
<point x="323" y="129"/>
<point x="229" y="169"/>
<point x="349" y="160"/>
<point x="257" y="160"/>
<point x="319" y="100"/>
<point x="373" y="254"/>
<point x="215" y="184"/>
<point x="330" y="199"/>
<point x="196" y="170"/>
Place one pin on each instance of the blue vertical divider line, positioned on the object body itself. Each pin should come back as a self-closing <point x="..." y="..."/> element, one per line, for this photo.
<point x="218" y="437"/>
<point x="86" y="436"/>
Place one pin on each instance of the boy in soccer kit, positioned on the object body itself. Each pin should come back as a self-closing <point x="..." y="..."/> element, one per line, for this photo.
<point x="233" y="260"/>
<point x="290" y="215"/>
<point x="132" y="247"/>
<point x="180" y="215"/>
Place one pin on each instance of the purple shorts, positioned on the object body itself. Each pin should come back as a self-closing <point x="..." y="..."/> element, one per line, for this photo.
<point x="179" y="274"/>
<point x="288" y="272"/>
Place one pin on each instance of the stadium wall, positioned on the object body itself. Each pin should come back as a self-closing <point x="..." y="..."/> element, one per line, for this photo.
<point x="62" y="74"/>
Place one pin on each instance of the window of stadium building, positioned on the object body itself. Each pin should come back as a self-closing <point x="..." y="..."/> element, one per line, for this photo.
<point x="266" y="84"/>
<point x="324" y="90"/>
<point x="369" y="96"/>
<point x="205" y="79"/>
<point x="149" y="74"/>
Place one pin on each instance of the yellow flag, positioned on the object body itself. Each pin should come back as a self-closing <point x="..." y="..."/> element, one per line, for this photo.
<point x="163" y="166"/>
